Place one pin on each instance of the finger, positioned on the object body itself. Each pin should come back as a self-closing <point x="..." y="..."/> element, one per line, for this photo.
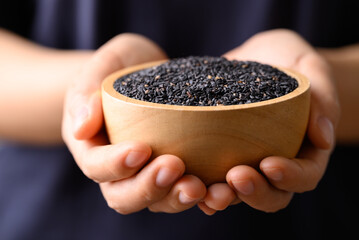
<point x="122" y="51"/>
<point x="322" y="122"/>
<point x="103" y="163"/>
<point x="210" y="211"/>
<point x="186" y="193"/>
<point x="325" y="109"/>
<point x="207" y="210"/>
<point x="85" y="114"/>
<point x="150" y="185"/>
<point x="219" y="196"/>
<point x="299" y="174"/>
<point x="253" y="189"/>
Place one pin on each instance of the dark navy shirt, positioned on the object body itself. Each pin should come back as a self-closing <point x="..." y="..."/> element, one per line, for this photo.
<point x="43" y="194"/>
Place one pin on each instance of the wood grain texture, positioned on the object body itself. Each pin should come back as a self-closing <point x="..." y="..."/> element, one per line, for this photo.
<point x="210" y="139"/>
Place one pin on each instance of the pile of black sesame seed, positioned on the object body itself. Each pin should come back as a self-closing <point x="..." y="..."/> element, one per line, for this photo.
<point x="206" y="81"/>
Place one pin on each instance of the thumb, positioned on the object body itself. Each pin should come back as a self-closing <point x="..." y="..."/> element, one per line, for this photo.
<point x="321" y="128"/>
<point x="325" y="107"/>
<point x="86" y="114"/>
<point x="83" y="102"/>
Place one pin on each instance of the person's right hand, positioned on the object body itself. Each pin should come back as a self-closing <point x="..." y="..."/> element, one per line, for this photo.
<point x="128" y="181"/>
<point x="272" y="188"/>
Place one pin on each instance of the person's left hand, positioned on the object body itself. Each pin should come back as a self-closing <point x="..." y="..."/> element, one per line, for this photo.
<point x="272" y="189"/>
<point x="128" y="179"/>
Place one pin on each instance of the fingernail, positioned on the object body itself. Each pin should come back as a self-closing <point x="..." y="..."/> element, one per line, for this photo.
<point x="245" y="187"/>
<point x="273" y="173"/>
<point x="81" y="116"/>
<point x="135" y="158"/>
<point x="166" y="177"/>
<point x="185" y="199"/>
<point x="327" y="130"/>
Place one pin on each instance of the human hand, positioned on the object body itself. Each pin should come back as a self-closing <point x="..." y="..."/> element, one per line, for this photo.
<point x="273" y="188"/>
<point x="127" y="180"/>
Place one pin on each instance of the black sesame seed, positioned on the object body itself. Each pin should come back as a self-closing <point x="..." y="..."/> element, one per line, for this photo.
<point x="206" y="81"/>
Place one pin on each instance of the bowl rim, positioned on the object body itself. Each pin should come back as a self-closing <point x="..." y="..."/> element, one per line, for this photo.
<point x="107" y="88"/>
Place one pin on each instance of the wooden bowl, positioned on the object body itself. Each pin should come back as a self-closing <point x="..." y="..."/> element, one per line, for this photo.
<point x="210" y="139"/>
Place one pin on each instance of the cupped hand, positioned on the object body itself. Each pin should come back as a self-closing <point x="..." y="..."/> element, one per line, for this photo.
<point x="272" y="188"/>
<point x="128" y="181"/>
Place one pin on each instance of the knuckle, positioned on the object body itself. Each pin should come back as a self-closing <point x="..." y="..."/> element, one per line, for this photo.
<point x="147" y="195"/>
<point x="153" y="209"/>
<point x="81" y="157"/>
<point x="122" y="211"/>
<point x="311" y="186"/>
<point x="115" y="205"/>
<point x="91" y="173"/>
<point x="274" y="209"/>
<point x="112" y="204"/>
<point x="114" y="201"/>
<point x="166" y="208"/>
<point x="278" y="206"/>
<point x="87" y="171"/>
<point x="317" y="173"/>
<point x="306" y="186"/>
<point x="177" y="207"/>
<point x="126" y="36"/>
<point x="111" y="164"/>
<point x="106" y="58"/>
<point x="220" y="206"/>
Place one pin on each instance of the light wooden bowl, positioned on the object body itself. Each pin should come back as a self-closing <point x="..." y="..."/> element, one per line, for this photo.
<point x="210" y="139"/>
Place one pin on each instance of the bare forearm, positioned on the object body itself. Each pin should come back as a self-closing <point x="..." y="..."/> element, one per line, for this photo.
<point x="345" y="65"/>
<point x="33" y="81"/>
